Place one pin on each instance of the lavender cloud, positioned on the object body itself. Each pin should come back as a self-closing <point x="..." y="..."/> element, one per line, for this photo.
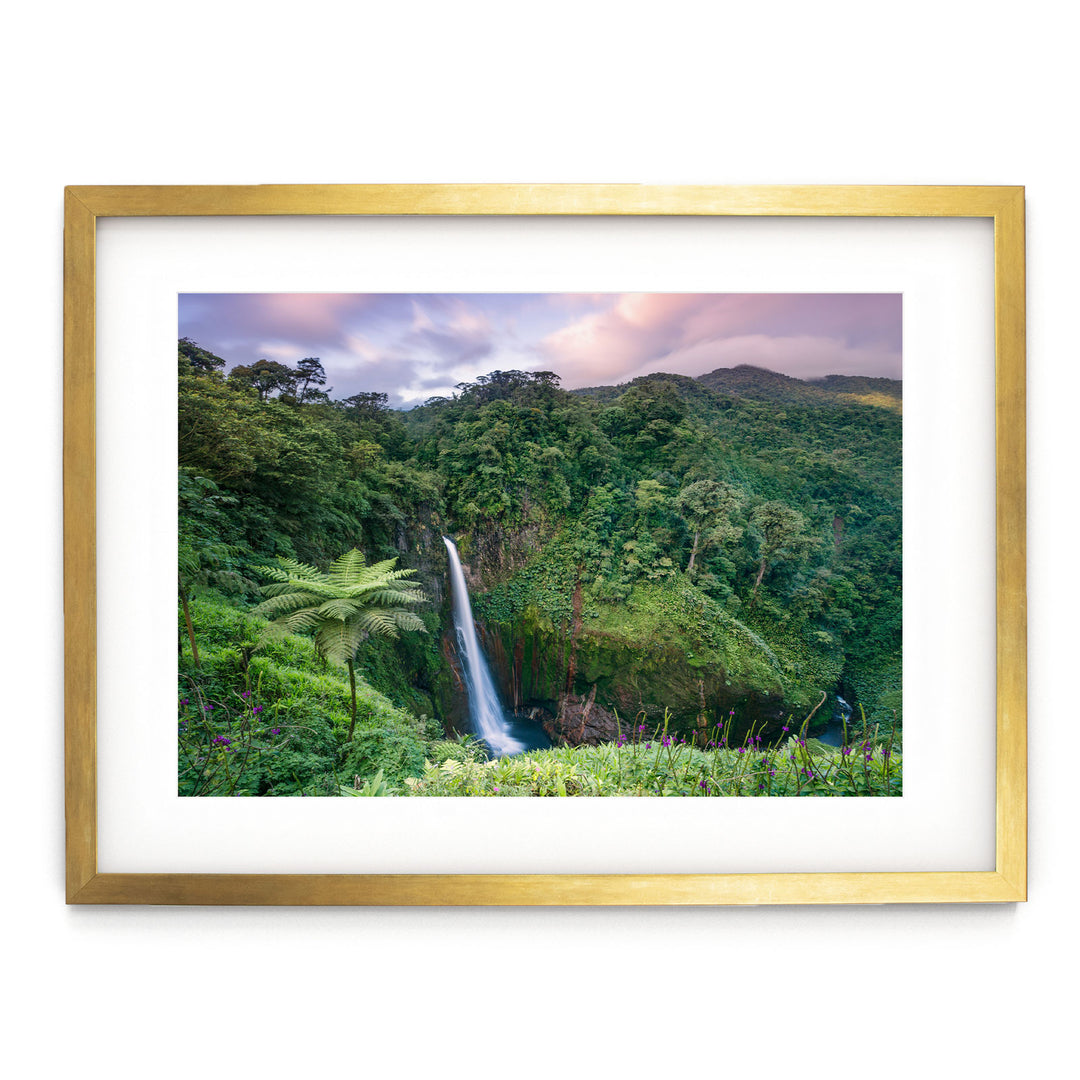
<point x="415" y="346"/>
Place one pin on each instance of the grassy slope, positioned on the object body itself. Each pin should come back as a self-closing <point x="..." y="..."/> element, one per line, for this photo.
<point x="298" y="695"/>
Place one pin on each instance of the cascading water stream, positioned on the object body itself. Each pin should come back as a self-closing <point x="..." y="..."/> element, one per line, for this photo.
<point x="833" y="735"/>
<point x="488" y="718"/>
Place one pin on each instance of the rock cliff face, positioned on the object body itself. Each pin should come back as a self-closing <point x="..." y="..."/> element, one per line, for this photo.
<point x="589" y="681"/>
<point x="420" y="548"/>
<point x="490" y="554"/>
<point x="581" y="721"/>
<point x="602" y="675"/>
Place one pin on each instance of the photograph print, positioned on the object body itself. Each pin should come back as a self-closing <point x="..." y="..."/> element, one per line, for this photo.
<point x="511" y="545"/>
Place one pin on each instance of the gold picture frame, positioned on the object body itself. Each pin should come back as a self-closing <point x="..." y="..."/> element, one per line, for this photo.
<point x="85" y="885"/>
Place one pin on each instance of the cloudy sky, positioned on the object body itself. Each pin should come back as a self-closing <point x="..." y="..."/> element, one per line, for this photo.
<point x="414" y="346"/>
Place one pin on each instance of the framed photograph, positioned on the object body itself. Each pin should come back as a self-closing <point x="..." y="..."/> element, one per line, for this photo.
<point x="599" y="532"/>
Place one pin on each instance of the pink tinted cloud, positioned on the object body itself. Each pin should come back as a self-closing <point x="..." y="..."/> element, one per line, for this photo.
<point x="412" y="346"/>
<point x="314" y="319"/>
<point x="800" y="334"/>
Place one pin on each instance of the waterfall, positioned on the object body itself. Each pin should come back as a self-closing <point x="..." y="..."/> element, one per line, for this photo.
<point x="485" y="709"/>
<point x="833" y="735"/>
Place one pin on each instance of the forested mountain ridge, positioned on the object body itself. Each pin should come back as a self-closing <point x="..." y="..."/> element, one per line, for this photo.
<point x="760" y="384"/>
<point x="827" y="391"/>
<point x="707" y="547"/>
<point x="858" y="385"/>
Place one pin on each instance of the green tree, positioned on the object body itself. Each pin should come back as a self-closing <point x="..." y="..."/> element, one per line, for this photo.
<point x="781" y="532"/>
<point x="265" y="377"/>
<point x="707" y="506"/>
<point x="343" y="606"/>
<point x="203" y="556"/>
<point x="366" y="406"/>
<point x="650" y="497"/>
<point x="198" y="359"/>
<point x="310" y="374"/>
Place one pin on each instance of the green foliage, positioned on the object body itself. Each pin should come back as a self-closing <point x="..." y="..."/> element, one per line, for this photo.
<point x="465" y="750"/>
<point x="396" y="746"/>
<point x="194" y="358"/>
<point x="376" y="787"/>
<point x="205" y="556"/>
<point x="310" y="377"/>
<point x="707" y="507"/>
<point x="410" y="670"/>
<point x="344" y="605"/>
<point x="267" y="716"/>
<point x="652" y="763"/>
<point x="278" y="738"/>
<point x="265" y="377"/>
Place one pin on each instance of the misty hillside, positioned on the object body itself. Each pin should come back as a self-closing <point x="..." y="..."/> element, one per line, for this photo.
<point x="760" y="384"/>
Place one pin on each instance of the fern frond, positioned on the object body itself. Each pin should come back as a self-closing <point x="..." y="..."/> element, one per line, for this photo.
<point x="337" y="609"/>
<point x="348" y="567"/>
<point x="364" y="576"/>
<point x="187" y="560"/>
<point x="321" y="589"/>
<point x="342" y="606"/>
<point x="339" y="641"/>
<point x="305" y="619"/>
<point x="396" y="596"/>
<point x="291" y="570"/>
<point x="396" y="575"/>
<point x="394" y="579"/>
<point x="379" y="622"/>
<point x="276" y="606"/>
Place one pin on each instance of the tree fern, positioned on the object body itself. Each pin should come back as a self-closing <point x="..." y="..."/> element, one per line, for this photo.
<point x="343" y="606"/>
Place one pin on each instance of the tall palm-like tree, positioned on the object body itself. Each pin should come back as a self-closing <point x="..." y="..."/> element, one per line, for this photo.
<point x="343" y="606"/>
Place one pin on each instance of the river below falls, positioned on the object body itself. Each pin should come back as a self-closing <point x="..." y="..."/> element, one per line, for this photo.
<point x="527" y="733"/>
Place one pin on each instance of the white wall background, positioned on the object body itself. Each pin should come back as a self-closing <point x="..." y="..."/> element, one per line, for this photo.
<point x="833" y="92"/>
